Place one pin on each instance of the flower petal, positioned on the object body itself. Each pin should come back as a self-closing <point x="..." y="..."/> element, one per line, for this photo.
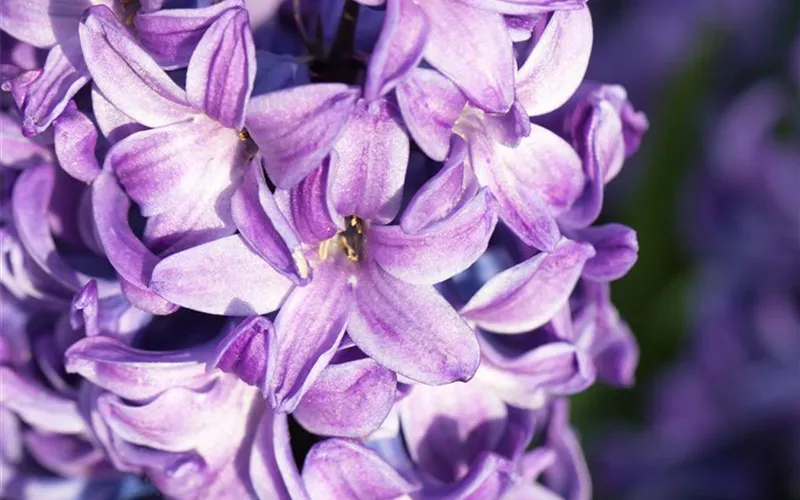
<point x="307" y="205"/>
<point x="617" y="250"/>
<point x="398" y="49"/>
<point x="145" y="93"/>
<point x="221" y="85"/>
<point x="489" y="477"/>
<point x="556" y="65"/>
<point x="64" y="73"/>
<point x="527" y="295"/>
<point x="37" y="406"/>
<point x="441" y="250"/>
<point x="444" y="193"/>
<point x="248" y="351"/>
<point x="411" y="330"/>
<point x="75" y="142"/>
<point x="262" y="224"/>
<point x="457" y="47"/>
<point x="41" y="23"/>
<point x="337" y="468"/>
<point x="373" y="158"/>
<point x="131" y="373"/>
<point x="296" y="128"/>
<point x="171" y="35"/>
<point x="309" y="326"/>
<point x="350" y="399"/>
<point x="523" y="7"/>
<point x="113" y="123"/>
<point x="16" y="150"/>
<point x="533" y="182"/>
<point x="430" y="105"/>
<point x="130" y="258"/>
<point x="220" y="277"/>
<point x="273" y="472"/>
<point x="447" y="428"/>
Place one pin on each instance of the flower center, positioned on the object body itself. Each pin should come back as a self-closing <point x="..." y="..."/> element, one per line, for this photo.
<point x="351" y="240"/>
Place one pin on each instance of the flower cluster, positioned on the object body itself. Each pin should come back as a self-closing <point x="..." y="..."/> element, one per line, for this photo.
<point x="725" y="420"/>
<point x="370" y="219"/>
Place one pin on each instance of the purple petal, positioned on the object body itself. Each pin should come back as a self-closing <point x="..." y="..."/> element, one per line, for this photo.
<point x="133" y="373"/>
<point x="309" y="326"/>
<point x="447" y="428"/>
<point x="163" y="167"/>
<point x="171" y="35"/>
<point x="84" y="309"/>
<point x="273" y="472"/>
<point x="398" y="49"/>
<point x="350" y="399"/>
<point x="75" y="142"/>
<point x="66" y="455"/>
<point x="457" y="47"/>
<point x="16" y="150"/>
<point x="296" y="128"/>
<point x="441" y="250"/>
<point x="130" y="258"/>
<point x="248" y="351"/>
<point x="37" y="406"/>
<point x="113" y="123"/>
<point x="527" y="295"/>
<point x="373" y="158"/>
<point x="556" y="66"/>
<point x="307" y="205"/>
<point x="617" y="250"/>
<point x="145" y="93"/>
<point x="525" y="7"/>
<point x="262" y="224"/>
<point x="337" y="468"/>
<point x="533" y="182"/>
<point x="64" y="73"/>
<point x="489" y="477"/>
<point x="411" y="330"/>
<point x="446" y="192"/>
<point x="430" y="105"/>
<point x="30" y="200"/>
<point x="569" y="476"/>
<point x="530" y="379"/>
<point x="41" y="23"/>
<point x="220" y="277"/>
<point x="509" y="128"/>
<point x="218" y="85"/>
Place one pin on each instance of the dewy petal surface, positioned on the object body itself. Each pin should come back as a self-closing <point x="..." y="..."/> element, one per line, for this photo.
<point x="555" y="68"/>
<point x="309" y="326"/>
<point x="223" y="276"/>
<point x="527" y="295"/>
<point x="458" y="47"/>
<point x="430" y="104"/>
<point x="411" y="329"/>
<point x="64" y="73"/>
<point x="127" y="75"/>
<point x="296" y="128"/>
<point x="338" y="468"/>
<point x="373" y="150"/>
<point x="441" y="250"/>
<point x="398" y="49"/>
<point x="171" y="35"/>
<point x="222" y="69"/>
<point x="447" y="428"/>
<point x="350" y="399"/>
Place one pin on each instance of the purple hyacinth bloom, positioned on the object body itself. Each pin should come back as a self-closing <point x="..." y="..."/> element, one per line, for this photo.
<point x="169" y="428"/>
<point x="372" y="280"/>
<point x="42" y="94"/>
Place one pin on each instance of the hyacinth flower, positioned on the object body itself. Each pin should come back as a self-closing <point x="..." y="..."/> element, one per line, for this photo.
<point x="42" y="94"/>
<point x="458" y="447"/>
<point x="372" y="280"/>
<point x="146" y="427"/>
